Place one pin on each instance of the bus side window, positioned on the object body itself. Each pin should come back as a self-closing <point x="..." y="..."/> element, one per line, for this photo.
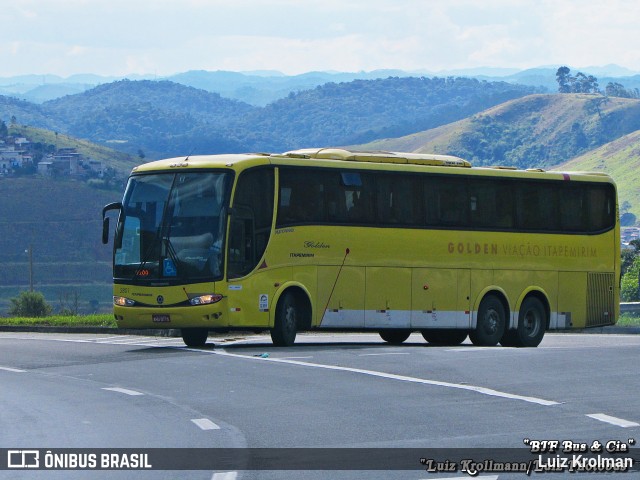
<point x="359" y="197"/>
<point x="491" y="204"/>
<point x="573" y="209"/>
<point x="537" y="207"/>
<point x="251" y="220"/>
<point x="601" y="208"/>
<point x="302" y="197"/>
<point x="395" y="205"/>
<point x="454" y="202"/>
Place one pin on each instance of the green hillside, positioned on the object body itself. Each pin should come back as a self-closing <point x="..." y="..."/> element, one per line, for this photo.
<point x="164" y="119"/>
<point x="621" y="160"/>
<point x="62" y="221"/>
<point x="534" y="131"/>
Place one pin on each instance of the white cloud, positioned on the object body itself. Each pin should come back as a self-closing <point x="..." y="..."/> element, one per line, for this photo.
<point x="167" y="36"/>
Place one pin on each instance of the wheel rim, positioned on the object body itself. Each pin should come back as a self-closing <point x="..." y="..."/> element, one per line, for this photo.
<point x="532" y="323"/>
<point x="491" y="321"/>
<point x="290" y="317"/>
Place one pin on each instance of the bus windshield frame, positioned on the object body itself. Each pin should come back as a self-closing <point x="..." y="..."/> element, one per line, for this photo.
<point x="172" y="227"/>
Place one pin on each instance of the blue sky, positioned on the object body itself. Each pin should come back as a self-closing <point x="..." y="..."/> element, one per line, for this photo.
<point x="162" y="37"/>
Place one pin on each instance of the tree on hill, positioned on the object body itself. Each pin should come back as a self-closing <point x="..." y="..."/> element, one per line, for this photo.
<point x="614" y="89"/>
<point x="563" y="76"/>
<point x="580" y="83"/>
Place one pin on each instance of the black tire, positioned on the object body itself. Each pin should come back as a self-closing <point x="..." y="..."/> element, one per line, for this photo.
<point x="285" y="326"/>
<point x="394" y="336"/>
<point x="509" y="339"/>
<point x="447" y="337"/>
<point x="491" y="322"/>
<point x="194" y="337"/>
<point x="532" y="323"/>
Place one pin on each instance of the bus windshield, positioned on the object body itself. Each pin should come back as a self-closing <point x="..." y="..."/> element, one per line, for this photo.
<point x="172" y="227"/>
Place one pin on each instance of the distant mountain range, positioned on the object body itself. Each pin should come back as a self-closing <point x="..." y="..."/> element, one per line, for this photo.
<point x="164" y="118"/>
<point x="263" y="87"/>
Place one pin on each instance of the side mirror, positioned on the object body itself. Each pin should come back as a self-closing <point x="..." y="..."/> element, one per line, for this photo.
<point x="105" y="219"/>
<point x="105" y="230"/>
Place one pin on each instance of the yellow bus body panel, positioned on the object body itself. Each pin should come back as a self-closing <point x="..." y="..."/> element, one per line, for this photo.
<point x="385" y="277"/>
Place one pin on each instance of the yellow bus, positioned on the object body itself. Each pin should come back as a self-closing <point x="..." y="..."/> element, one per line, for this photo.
<point x="384" y="241"/>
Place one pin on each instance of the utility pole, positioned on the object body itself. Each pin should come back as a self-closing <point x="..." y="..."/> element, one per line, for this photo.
<point x="30" y="252"/>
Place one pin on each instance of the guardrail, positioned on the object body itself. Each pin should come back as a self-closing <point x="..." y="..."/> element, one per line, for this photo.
<point x="630" y="307"/>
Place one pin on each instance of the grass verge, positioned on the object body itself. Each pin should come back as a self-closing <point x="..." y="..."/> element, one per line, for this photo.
<point x="628" y="320"/>
<point x="98" y="320"/>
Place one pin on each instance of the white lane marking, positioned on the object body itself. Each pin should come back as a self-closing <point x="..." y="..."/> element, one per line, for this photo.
<point x="9" y="369"/>
<point x="381" y="354"/>
<point x="126" y="391"/>
<point x="620" y="422"/>
<point x="392" y="376"/>
<point x="205" y="424"/>
<point x="225" y="476"/>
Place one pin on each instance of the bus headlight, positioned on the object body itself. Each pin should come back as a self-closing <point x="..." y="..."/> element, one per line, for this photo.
<point x="205" y="299"/>
<point x="123" y="302"/>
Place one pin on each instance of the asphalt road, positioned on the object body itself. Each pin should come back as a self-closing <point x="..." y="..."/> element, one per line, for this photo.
<point x="328" y="391"/>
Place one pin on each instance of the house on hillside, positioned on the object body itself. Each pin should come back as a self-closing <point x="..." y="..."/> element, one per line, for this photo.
<point x="21" y="143"/>
<point x="66" y="161"/>
<point x="95" y="166"/>
<point x="45" y="168"/>
<point x="11" y="158"/>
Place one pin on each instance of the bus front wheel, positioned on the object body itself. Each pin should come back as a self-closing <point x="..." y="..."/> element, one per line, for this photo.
<point x="285" y="326"/>
<point x="532" y="322"/>
<point x="491" y="322"/>
<point x="394" y="336"/>
<point x="194" y="337"/>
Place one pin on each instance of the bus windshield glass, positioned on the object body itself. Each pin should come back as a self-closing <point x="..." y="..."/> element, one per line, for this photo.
<point x="171" y="227"/>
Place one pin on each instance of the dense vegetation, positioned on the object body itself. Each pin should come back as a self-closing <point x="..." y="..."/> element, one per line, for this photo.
<point x="545" y="130"/>
<point x="534" y="131"/>
<point x="166" y="119"/>
<point x="360" y="111"/>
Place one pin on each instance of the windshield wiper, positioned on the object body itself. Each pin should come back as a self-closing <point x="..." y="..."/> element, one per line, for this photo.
<point x="171" y="251"/>
<point x="145" y="258"/>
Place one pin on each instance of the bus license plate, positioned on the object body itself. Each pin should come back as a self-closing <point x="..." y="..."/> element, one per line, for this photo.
<point x="160" y="318"/>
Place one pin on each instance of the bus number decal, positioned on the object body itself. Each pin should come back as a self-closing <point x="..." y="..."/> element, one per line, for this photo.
<point x="263" y="302"/>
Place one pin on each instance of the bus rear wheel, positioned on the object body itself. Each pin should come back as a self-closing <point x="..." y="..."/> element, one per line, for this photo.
<point x="532" y="322"/>
<point x="491" y="322"/>
<point x="394" y="336"/>
<point x="447" y="337"/>
<point x="194" y="337"/>
<point x="285" y="326"/>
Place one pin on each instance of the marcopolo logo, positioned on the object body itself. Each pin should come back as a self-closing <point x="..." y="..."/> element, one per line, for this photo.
<point x="23" y="459"/>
